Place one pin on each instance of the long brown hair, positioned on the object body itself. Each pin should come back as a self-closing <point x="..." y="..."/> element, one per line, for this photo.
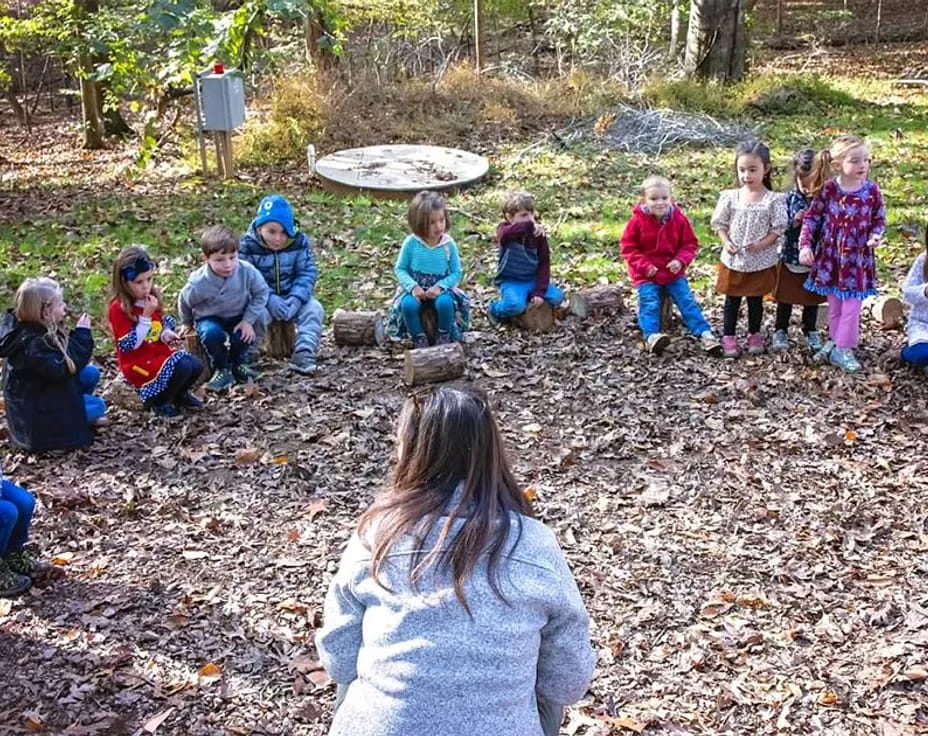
<point x="127" y="258"/>
<point x="450" y="463"/>
<point x="829" y="159"/>
<point x="758" y="149"/>
<point x="33" y="299"/>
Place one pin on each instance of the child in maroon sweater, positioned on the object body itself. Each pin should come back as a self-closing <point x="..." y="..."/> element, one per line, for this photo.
<point x="658" y="244"/>
<point x="524" y="270"/>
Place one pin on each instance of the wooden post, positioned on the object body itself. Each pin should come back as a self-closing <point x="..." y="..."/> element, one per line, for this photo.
<point x="358" y="328"/>
<point x="438" y="363"/>
<point x="224" y="163"/>
<point x="478" y="35"/>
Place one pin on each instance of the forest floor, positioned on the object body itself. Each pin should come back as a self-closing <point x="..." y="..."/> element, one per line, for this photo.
<point x="751" y="537"/>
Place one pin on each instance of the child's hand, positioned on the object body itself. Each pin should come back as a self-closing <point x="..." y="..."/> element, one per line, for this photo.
<point x="805" y="257"/>
<point x="675" y="266"/>
<point x="755" y="246"/>
<point x="537" y="301"/>
<point x="169" y="337"/>
<point x="184" y="331"/>
<point x="151" y="304"/>
<point x="874" y="240"/>
<point x="652" y="271"/>
<point x="731" y="248"/>
<point x="418" y="292"/>
<point x="540" y="231"/>
<point x="245" y="331"/>
<point x="277" y="306"/>
<point x="293" y="307"/>
<point x="799" y="217"/>
<point x="84" y="321"/>
<point x="433" y="292"/>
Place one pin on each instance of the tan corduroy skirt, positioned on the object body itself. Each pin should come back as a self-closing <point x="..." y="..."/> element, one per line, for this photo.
<point x="740" y="283"/>
<point x="790" y="290"/>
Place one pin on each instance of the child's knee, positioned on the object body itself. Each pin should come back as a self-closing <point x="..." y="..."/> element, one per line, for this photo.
<point x="9" y="515"/>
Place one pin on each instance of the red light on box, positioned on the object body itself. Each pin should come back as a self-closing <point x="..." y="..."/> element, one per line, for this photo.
<point x="218" y="69"/>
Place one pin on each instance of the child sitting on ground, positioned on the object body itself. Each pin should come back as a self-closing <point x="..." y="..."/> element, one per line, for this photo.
<point x="450" y="585"/>
<point x="429" y="270"/>
<point x="523" y="274"/>
<point x="144" y="337"/>
<point x="48" y="379"/>
<point x="915" y="293"/>
<point x="16" y="564"/>
<point x="658" y="243"/>
<point x="223" y="300"/>
<point x="283" y="255"/>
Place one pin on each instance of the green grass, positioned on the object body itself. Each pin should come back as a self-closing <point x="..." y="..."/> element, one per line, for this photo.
<point x="584" y="196"/>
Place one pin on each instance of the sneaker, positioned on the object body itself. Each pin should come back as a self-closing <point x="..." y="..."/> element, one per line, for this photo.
<point x="167" y="411"/>
<point x="711" y="345"/>
<point x="420" y="341"/>
<point x="657" y="342"/>
<point x="780" y="341"/>
<point x="444" y="338"/>
<point x="12" y="583"/>
<point x="303" y="362"/>
<point x="220" y="381"/>
<point x="21" y="562"/>
<point x="844" y="358"/>
<point x="730" y="346"/>
<point x="188" y="401"/>
<point x="244" y="373"/>
<point x="814" y="341"/>
<point x="755" y="343"/>
<point x="824" y="353"/>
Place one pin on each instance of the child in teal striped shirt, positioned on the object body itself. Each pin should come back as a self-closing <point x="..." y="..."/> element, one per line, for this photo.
<point x="428" y="270"/>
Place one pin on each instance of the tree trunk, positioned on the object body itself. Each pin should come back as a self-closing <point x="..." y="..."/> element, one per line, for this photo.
<point x="879" y="21"/>
<point x="90" y="108"/>
<point x="478" y="35"/>
<point x="674" y="31"/>
<point x="113" y="121"/>
<point x="314" y="31"/>
<point x="780" y="11"/>
<point x="716" y="43"/>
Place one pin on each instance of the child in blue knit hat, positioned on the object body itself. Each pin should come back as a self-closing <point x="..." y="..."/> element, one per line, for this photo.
<point x="284" y="256"/>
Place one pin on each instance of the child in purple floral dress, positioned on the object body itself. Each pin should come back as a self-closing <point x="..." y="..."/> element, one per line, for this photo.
<point x="849" y="217"/>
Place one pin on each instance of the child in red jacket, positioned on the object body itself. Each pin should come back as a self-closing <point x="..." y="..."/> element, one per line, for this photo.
<point x="658" y="244"/>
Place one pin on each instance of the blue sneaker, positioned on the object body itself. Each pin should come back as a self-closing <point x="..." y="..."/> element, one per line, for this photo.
<point x="167" y="411"/>
<point x="814" y="341"/>
<point x="244" y="373"/>
<point x="188" y="401"/>
<point x="220" y="381"/>
<point x="844" y="358"/>
<point x="824" y="353"/>
<point x="780" y="341"/>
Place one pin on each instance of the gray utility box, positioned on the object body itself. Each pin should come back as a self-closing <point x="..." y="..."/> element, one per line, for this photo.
<point x="223" y="99"/>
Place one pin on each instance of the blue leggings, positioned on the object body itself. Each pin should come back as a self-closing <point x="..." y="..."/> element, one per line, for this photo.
<point x="89" y="377"/>
<point x="916" y="354"/>
<point x="16" y="507"/>
<point x="411" y="307"/>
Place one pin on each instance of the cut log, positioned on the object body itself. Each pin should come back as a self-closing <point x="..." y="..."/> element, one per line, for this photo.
<point x="437" y="363"/>
<point x="280" y="339"/>
<point x="598" y="300"/>
<point x="194" y="347"/>
<point x="667" y="318"/>
<point x="887" y="311"/>
<point x="429" y="316"/>
<point x="537" y="318"/>
<point x="358" y="328"/>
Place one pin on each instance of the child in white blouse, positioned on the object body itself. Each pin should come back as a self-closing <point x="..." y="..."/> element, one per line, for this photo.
<point x="750" y="222"/>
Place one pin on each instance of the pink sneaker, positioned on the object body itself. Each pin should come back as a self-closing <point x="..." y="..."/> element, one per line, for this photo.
<point x="730" y="346"/>
<point x="755" y="343"/>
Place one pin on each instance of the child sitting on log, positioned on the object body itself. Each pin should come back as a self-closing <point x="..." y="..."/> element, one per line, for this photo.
<point x="523" y="273"/>
<point x="428" y="269"/>
<point x="17" y="563"/>
<point x="284" y="256"/>
<point x="658" y="243"/>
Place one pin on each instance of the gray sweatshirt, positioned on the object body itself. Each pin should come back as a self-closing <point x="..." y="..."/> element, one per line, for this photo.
<point x="243" y="295"/>
<point x="419" y="665"/>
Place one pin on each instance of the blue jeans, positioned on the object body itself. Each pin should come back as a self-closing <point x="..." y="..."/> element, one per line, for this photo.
<point x="916" y="354"/>
<point x="16" y="507"/>
<point x="223" y="346"/>
<point x="89" y="377"/>
<point x="308" y="322"/>
<point x="444" y="306"/>
<point x="514" y="297"/>
<point x="649" y="307"/>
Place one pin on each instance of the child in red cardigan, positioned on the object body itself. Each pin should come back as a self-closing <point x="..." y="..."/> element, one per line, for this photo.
<point x="658" y="244"/>
<point x="144" y="338"/>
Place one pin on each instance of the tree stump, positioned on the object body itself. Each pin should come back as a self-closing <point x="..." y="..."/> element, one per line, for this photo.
<point x="429" y="317"/>
<point x="598" y="300"/>
<point x="885" y="310"/>
<point x="280" y="339"/>
<point x="437" y="363"/>
<point x="358" y="328"/>
<point x="194" y="347"/>
<point x="667" y="318"/>
<point x="536" y="318"/>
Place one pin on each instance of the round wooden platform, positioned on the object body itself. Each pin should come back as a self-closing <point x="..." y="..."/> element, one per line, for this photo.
<point x="400" y="170"/>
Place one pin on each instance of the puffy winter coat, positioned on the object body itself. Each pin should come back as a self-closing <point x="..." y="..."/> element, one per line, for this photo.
<point x="647" y="241"/>
<point x="289" y="272"/>
<point x="44" y="401"/>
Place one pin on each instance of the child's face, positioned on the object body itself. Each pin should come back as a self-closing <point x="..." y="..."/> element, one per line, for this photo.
<point x="274" y="235"/>
<point x="140" y="286"/>
<point x="436" y="226"/>
<point x="657" y="200"/>
<point x="856" y="164"/>
<point x="751" y="170"/>
<point x="520" y="216"/>
<point x="223" y="264"/>
<point x="56" y="310"/>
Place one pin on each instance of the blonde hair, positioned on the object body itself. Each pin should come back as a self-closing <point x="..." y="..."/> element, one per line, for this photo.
<point x="653" y="182"/>
<point x="828" y="160"/>
<point x="420" y="212"/>
<point x="119" y="285"/>
<point x="33" y="299"/>
<point x="516" y="201"/>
